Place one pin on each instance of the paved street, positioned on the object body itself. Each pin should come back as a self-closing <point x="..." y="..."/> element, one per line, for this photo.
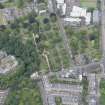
<point x="103" y="25"/>
<point x="62" y="32"/>
<point x="43" y="93"/>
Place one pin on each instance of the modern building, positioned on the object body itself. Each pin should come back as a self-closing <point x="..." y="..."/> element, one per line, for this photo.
<point x="70" y="4"/>
<point x="11" y="13"/>
<point x="7" y="63"/>
<point x="71" y="75"/>
<point x="78" y="12"/>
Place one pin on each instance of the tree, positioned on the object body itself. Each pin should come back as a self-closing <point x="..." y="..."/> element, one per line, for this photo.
<point x="53" y="17"/>
<point x="45" y="20"/>
<point x="19" y="3"/>
<point x="1" y="6"/>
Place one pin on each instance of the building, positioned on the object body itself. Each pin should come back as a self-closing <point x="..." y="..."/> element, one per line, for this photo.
<point x="7" y="63"/>
<point x="71" y="75"/>
<point x="61" y="6"/>
<point x="70" y="4"/>
<point x="8" y="14"/>
<point x="78" y="16"/>
<point x="78" y="12"/>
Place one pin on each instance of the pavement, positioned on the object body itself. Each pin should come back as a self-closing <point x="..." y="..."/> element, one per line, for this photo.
<point x="62" y="32"/>
<point x="103" y="25"/>
<point x="43" y="93"/>
<point x="94" y="89"/>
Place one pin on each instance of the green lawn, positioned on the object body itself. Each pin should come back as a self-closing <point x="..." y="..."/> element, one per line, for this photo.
<point x="88" y="3"/>
<point x="53" y="43"/>
<point x="102" y="90"/>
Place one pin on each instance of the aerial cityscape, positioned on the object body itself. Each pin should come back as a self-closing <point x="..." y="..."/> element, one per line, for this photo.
<point x="52" y="52"/>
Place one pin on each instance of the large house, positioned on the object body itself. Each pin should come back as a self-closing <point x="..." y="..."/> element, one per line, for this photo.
<point x="77" y="15"/>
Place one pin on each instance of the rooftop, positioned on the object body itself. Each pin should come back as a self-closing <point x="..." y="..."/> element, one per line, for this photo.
<point x="7" y="62"/>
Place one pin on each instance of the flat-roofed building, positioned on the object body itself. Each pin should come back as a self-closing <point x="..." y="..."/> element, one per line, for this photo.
<point x="70" y="4"/>
<point x="60" y="1"/>
<point x="7" y="63"/>
<point x="78" y="12"/>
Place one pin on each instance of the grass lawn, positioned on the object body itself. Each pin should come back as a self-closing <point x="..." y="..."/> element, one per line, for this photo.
<point x="102" y="91"/>
<point x="9" y="4"/>
<point x="88" y="3"/>
<point x="81" y="41"/>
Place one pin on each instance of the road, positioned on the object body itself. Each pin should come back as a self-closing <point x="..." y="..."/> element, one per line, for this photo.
<point x="43" y="93"/>
<point x="103" y="25"/>
<point x="62" y="31"/>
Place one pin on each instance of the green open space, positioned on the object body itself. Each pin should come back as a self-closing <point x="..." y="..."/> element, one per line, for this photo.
<point x="102" y="92"/>
<point x="52" y="42"/>
<point x="88" y="3"/>
<point x="85" y="40"/>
